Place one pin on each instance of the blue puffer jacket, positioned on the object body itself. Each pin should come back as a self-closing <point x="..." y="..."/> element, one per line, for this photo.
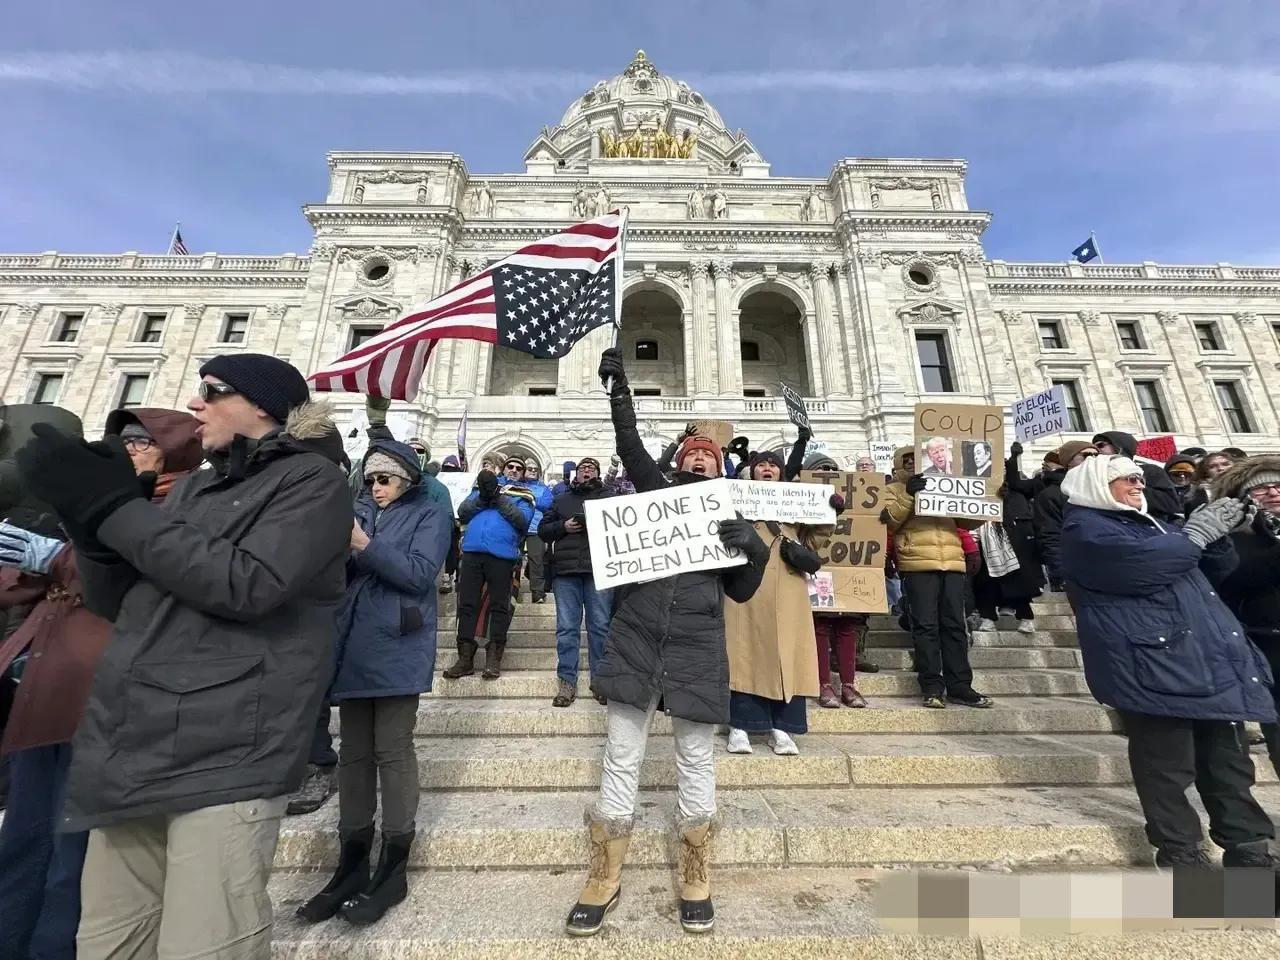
<point x="542" y="499"/>
<point x="387" y="623"/>
<point x="499" y="528"/>
<point x="1154" y="635"/>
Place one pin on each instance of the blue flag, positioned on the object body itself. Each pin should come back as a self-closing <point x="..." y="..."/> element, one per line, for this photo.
<point x="1085" y="252"/>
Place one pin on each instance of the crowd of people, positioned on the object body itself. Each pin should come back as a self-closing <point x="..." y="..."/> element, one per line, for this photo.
<point x="188" y="598"/>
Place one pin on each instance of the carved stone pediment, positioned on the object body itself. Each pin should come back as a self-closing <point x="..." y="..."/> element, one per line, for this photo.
<point x="368" y="307"/>
<point x="931" y="312"/>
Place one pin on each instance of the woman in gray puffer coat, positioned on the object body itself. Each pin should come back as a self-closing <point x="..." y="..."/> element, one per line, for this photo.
<point x="386" y="656"/>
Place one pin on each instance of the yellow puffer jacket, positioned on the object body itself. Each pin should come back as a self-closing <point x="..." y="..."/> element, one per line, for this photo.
<point x="922" y="543"/>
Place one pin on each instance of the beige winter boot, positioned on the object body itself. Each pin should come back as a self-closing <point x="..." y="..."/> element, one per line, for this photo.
<point x="603" y="890"/>
<point x="696" y="912"/>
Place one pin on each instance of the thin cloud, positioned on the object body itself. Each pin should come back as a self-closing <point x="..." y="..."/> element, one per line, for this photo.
<point x="167" y="73"/>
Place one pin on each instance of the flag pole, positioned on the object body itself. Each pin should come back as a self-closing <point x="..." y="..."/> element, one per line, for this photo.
<point x="1097" y="249"/>
<point x="172" y="237"/>
<point x="619" y="268"/>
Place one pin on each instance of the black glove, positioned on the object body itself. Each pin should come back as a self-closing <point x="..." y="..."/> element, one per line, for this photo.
<point x="84" y="482"/>
<point x="487" y="484"/>
<point x="742" y="535"/>
<point x="806" y="434"/>
<point x="837" y="503"/>
<point x="611" y="368"/>
<point x="689" y="430"/>
<point x="799" y="557"/>
<point x="1016" y="450"/>
<point x="915" y="484"/>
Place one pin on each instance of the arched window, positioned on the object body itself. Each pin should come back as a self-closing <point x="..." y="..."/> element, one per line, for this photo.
<point x="646" y="349"/>
<point x="750" y="351"/>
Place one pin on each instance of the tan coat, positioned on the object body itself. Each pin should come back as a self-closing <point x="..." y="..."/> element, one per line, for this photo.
<point x="772" y="650"/>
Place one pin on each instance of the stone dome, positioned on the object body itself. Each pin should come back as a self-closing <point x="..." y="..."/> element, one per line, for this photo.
<point x="641" y="88"/>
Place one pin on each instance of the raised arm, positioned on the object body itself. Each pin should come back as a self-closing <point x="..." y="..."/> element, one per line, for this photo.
<point x="795" y="462"/>
<point x="640" y="467"/>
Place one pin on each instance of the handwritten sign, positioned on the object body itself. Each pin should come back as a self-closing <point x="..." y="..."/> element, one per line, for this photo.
<point x="853" y="556"/>
<point x="783" y="502"/>
<point x="796" y="411"/>
<point x="648" y="536"/>
<point x="1041" y="414"/>
<point x="720" y="431"/>
<point x="882" y="454"/>
<point x="1159" y="449"/>
<point x="459" y="486"/>
<point x="960" y="453"/>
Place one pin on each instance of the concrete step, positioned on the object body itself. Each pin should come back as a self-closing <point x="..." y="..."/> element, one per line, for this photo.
<point x="1048" y="604"/>
<point x="546" y="638"/>
<point x="761" y="914"/>
<point x="566" y="763"/>
<point x="545" y="619"/>
<point x="492" y="717"/>
<point x="867" y="826"/>
<point x="887" y="658"/>
<point x="994" y="683"/>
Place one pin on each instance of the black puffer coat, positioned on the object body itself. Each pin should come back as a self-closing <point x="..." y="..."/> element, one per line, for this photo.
<point x="1046" y="511"/>
<point x="667" y="636"/>
<point x="569" y="554"/>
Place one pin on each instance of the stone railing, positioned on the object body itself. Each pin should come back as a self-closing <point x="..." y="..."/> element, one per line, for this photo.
<point x="1113" y="271"/>
<point x="11" y="261"/>
<point x="1000" y="269"/>
<point x="1190" y="273"/>
<point x="1258" y="273"/>
<point x="677" y="406"/>
<point x="287" y="263"/>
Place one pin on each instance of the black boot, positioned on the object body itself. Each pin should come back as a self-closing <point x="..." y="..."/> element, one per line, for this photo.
<point x="389" y="885"/>
<point x="465" y="665"/>
<point x="350" y="878"/>
<point x="493" y="660"/>
<point x="1256" y="854"/>
<point x="1173" y="856"/>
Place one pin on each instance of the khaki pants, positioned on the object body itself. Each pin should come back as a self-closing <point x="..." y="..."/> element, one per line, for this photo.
<point x="183" y="886"/>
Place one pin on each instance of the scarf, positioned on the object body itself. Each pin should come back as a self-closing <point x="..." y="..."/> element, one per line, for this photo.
<point x="164" y="483"/>
<point x="997" y="551"/>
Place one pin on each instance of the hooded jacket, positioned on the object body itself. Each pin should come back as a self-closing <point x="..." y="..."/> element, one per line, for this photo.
<point x="64" y="639"/>
<point x="1046" y="514"/>
<point x="223" y="602"/>
<point x="921" y="544"/>
<point x="1163" y="502"/>
<point x="387" y="624"/>
<point x="570" y="553"/>
<point x="1154" y="635"/>
<point x="667" y="637"/>
<point x="1252" y="590"/>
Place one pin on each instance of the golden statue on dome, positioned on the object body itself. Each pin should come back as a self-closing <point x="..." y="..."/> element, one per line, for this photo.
<point x="648" y="144"/>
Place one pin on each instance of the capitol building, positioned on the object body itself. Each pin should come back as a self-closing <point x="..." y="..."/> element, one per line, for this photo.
<point x="867" y="291"/>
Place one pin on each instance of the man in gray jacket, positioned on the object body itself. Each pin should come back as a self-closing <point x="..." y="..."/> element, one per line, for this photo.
<point x="223" y="602"/>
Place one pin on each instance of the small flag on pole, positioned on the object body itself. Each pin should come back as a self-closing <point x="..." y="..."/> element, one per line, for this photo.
<point x="540" y="300"/>
<point x="1086" y="251"/>
<point x="176" y="246"/>
<point x="462" y="433"/>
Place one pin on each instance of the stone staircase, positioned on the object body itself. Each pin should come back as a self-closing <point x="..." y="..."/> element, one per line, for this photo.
<point x="1039" y="783"/>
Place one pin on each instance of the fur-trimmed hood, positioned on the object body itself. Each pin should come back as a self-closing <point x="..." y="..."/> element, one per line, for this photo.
<point x="1234" y="482"/>
<point x="311" y="420"/>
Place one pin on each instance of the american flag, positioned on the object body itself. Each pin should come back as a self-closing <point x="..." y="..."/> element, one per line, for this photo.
<point x="540" y="300"/>
<point x="176" y="246"/>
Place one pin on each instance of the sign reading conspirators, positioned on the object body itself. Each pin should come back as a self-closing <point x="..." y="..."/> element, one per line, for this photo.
<point x="1040" y="415"/>
<point x="960" y="453"/>
<point x="648" y="536"/>
<point x="784" y="502"/>
<point x="852" y="576"/>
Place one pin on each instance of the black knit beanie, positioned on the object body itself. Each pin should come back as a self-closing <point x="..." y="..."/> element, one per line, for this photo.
<point x="267" y="382"/>
<point x="764" y="456"/>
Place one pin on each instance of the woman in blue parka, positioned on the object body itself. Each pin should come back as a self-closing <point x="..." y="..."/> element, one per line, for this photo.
<point x="385" y="659"/>
<point x="1162" y="648"/>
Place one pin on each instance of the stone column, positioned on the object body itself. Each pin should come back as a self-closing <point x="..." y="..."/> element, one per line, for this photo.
<point x="809" y="329"/>
<point x="700" y="339"/>
<point x="828" y="335"/>
<point x="728" y="348"/>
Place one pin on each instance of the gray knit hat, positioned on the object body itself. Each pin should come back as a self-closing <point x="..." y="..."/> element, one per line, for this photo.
<point x="379" y="462"/>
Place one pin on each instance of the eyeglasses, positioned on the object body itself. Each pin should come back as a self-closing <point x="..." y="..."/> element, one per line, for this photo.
<point x="381" y="480"/>
<point x="1134" y="479"/>
<point x="514" y="466"/>
<point x="209" y="392"/>
<point x="139" y="444"/>
<point x="1266" y="488"/>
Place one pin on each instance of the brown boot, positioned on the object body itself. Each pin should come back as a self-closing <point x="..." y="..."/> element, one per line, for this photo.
<point x="465" y="665"/>
<point x="696" y="913"/>
<point x="603" y="890"/>
<point x="492" y="660"/>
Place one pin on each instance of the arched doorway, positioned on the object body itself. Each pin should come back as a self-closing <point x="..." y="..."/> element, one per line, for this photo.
<point x="652" y="343"/>
<point x="772" y="345"/>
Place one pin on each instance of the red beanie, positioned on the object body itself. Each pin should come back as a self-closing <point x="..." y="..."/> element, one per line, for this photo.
<point x="700" y="443"/>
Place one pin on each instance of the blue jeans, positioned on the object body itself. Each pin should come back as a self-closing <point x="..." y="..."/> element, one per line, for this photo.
<point x="39" y="868"/>
<point x="574" y="595"/>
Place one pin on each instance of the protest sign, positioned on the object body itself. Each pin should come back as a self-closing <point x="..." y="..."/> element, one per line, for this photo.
<point x="459" y="486"/>
<point x="796" y="411"/>
<point x="783" y="502"/>
<point x="882" y="454"/>
<point x="721" y="431"/>
<point x="1041" y="414"/>
<point x="853" y="557"/>
<point x="1159" y="449"/>
<point x="647" y="536"/>
<point x="960" y="452"/>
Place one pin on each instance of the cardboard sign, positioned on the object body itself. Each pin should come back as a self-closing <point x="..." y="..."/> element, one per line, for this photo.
<point x="648" y="536"/>
<point x="1041" y="414"/>
<point x="796" y="411"/>
<point x="1159" y="449"/>
<point x="882" y="454"/>
<point x="853" y="557"/>
<point x="721" y="431"/>
<point x="783" y="502"/>
<point x="960" y="452"/>
<point x="459" y="486"/>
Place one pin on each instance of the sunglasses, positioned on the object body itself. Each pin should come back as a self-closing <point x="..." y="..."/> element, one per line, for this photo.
<point x="139" y="444"/>
<point x="514" y="466"/>
<point x="1134" y="479"/>
<point x="380" y="480"/>
<point x="209" y="392"/>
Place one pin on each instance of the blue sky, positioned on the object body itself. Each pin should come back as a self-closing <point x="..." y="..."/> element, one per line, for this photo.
<point x="1155" y="124"/>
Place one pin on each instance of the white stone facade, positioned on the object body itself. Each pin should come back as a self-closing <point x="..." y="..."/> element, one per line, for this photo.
<point x="735" y="279"/>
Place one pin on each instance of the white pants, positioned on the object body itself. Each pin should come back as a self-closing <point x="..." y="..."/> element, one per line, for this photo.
<point x="628" y="732"/>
